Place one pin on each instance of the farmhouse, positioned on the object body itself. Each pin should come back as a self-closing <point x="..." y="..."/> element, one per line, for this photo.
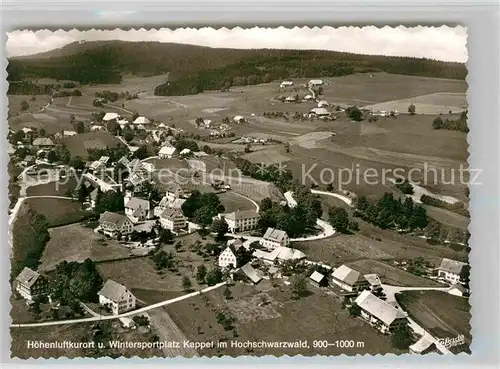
<point x="113" y="223"/>
<point x="41" y="143"/>
<point x="228" y="258"/>
<point x="165" y="203"/>
<point x="315" y="82"/>
<point x="136" y="209"/>
<point x="308" y="97"/>
<point x="105" y="184"/>
<point x="286" y="84"/>
<point x="123" y="123"/>
<point x="240" y="220"/>
<point x="323" y="103"/>
<point x="176" y="191"/>
<point x="173" y="219"/>
<point x="29" y="160"/>
<point x="450" y="270"/>
<point x="423" y="346"/>
<point x="30" y="284"/>
<point x="117" y="297"/>
<point x="166" y="151"/>
<point x="247" y="273"/>
<point x="374" y="281"/>
<point x="349" y="279"/>
<point x="279" y="254"/>
<point x="274" y="238"/>
<point x="141" y="121"/>
<point x="124" y="161"/>
<point x="319" y="112"/>
<point x="239" y="119"/>
<point x="457" y="290"/>
<point x="319" y="280"/>
<point x="290" y="99"/>
<point x="108" y="117"/>
<point x="379" y="313"/>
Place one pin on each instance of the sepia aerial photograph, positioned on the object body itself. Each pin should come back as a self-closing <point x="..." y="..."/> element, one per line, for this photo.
<point x="238" y="192"/>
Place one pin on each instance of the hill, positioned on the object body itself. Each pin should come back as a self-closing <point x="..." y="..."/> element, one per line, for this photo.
<point x="196" y="68"/>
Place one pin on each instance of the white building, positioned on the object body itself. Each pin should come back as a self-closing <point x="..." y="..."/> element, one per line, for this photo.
<point x="274" y="238"/>
<point x="349" y="279"/>
<point x="117" y="297"/>
<point x="105" y="185"/>
<point x="457" y="290"/>
<point x="136" y="209"/>
<point x="374" y="281"/>
<point x="316" y="82"/>
<point x="110" y="116"/>
<point x="279" y="254"/>
<point x="166" y="151"/>
<point x="114" y="223"/>
<point x="323" y="104"/>
<point x="319" y="112"/>
<point x="30" y="284"/>
<point x="238" y="119"/>
<point x="240" y="220"/>
<point x="379" y="313"/>
<point x="227" y="258"/>
<point x="286" y="84"/>
<point x="450" y="270"/>
<point x="173" y="219"/>
<point x="141" y="121"/>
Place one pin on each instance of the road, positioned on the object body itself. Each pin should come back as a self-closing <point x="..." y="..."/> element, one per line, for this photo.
<point x="390" y="291"/>
<point x="345" y="199"/>
<point x="111" y="317"/>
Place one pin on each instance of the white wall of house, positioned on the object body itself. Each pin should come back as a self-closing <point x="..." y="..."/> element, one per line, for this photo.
<point x="227" y="258"/>
<point x="272" y="244"/>
<point x="450" y="277"/>
<point x="342" y="285"/>
<point x="117" y="307"/>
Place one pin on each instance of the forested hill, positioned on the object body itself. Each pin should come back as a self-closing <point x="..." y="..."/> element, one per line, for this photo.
<point x="197" y="68"/>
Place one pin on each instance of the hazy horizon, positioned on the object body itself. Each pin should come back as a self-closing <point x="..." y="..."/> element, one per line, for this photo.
<point x="437" y="43"/>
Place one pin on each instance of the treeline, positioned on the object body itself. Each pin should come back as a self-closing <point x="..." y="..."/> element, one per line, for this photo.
<point x="74" y="281"/>
<point x="279" y="176"/>
<point x="202" y="207"/>
<point x="294" y="221"/>
<point x="458" y="207"/>
<point x="459" y="124"/>
<point x="28" y="88"/>
<point x="389" y="212"/>
<point x="197" y="68"/>
<point x="30" y="234"/>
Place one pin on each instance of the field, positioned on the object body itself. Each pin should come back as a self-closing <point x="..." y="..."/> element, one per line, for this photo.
<point x="57" y="211"/>
<point x="55" y="188"/>
<point x="34" y="106"/>
<point x="75" y="242"/>
<point x="315" y="317"/>
<point x="266" y="157"/>
<point x="79" y="144"/>
<point x="232" y="202"/>
<point x="442" y="314"/>
<point x="392" y="275"/>
<point x="150" y="285"/>
<point x="437" y="103"/>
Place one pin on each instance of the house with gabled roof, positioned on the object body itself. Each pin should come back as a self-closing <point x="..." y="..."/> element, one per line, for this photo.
<point x="137" y="209"/>
<point x="349" y="279"/>
<point x="173" y="219"/>
<point x="166" y="151"/>
<point x="379" y="313"/>
<point x="113" y="224"/>
<point x="274" y="238"/>
<point x="108" y="117"/>
<point x="240" y="220"/>
<point x="166" y="203"/>
<point x="30" y="283"/>
<point x="450" y="270"/>
<point x="318" y="279"/>
<point x="247" y="273"/>
<point x="117" y="297"/>
<point x="41" y="143"/>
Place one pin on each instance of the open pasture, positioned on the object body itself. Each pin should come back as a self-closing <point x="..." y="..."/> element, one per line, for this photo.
<point x="233" y="202"/>
<point x="78" y="145"/>
<point x="266" y="157"/>
<point x="76" y="242"/>
<point x="315" y="317"/>
<point x="34" y="105"/>
<point x="57" y="211"/>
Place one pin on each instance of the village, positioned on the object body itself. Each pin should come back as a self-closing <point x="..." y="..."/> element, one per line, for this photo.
<point x="207" y="207"/>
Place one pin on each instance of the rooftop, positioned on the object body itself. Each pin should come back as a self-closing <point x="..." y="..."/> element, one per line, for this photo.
<point x="379" y="308"/>
<point x="113" y="290"/>
<point x="347" y="275"/>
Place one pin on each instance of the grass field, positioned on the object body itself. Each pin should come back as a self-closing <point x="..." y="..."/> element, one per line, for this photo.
<point x="266" y="157"/>
<point x="440" y="313"/>
<point x="53" y="188"/>
<point x="392" y="275"/>
<point x="57" y="211"/>
<point x="34" y="106"/>
<point x="75" y="242"/>
<point x="233" y="201"/>
<point x="79" y="144"/>
<point x="315" y="317"/>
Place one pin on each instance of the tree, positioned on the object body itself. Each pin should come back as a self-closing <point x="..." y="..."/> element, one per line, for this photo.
<point x="354" y="310"/>
<point x="42" y="132"/>
<point x="24" y="105"/>
<point x="128" y="135"/>
<point x="465" y="275"/>
<point x="401" y="337"/>
<point x="227" y="293"/>
<point x="248" y="148"/>
<point x="220" y="227"/>
<point x="165" y="235"/>
<point x="113" y="127"/>
<point x="437" y="123"/>
<point x="412" y="109"/>
<point x="329" y="187"/>
<point x="299" y="287"/>
<point x="339" y="219"/>
<point x="79" y="127"/>
<point x="77" y="163"/>
<point x="266" y="204"/>
<point x="355" y="114"/>
<point x="52" y="156"/>
<point x="214" y="276"/>
<point x="186" y="283"/>
<point x="71" y="118"/>
<point x="287" y="147"/>
<point x="82" y="193"/>
<point x="201" y="273"/>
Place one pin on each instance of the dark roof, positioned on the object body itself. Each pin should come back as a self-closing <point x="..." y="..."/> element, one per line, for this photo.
<point x="28" y="277"/>
<point x="115" y="218"/>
